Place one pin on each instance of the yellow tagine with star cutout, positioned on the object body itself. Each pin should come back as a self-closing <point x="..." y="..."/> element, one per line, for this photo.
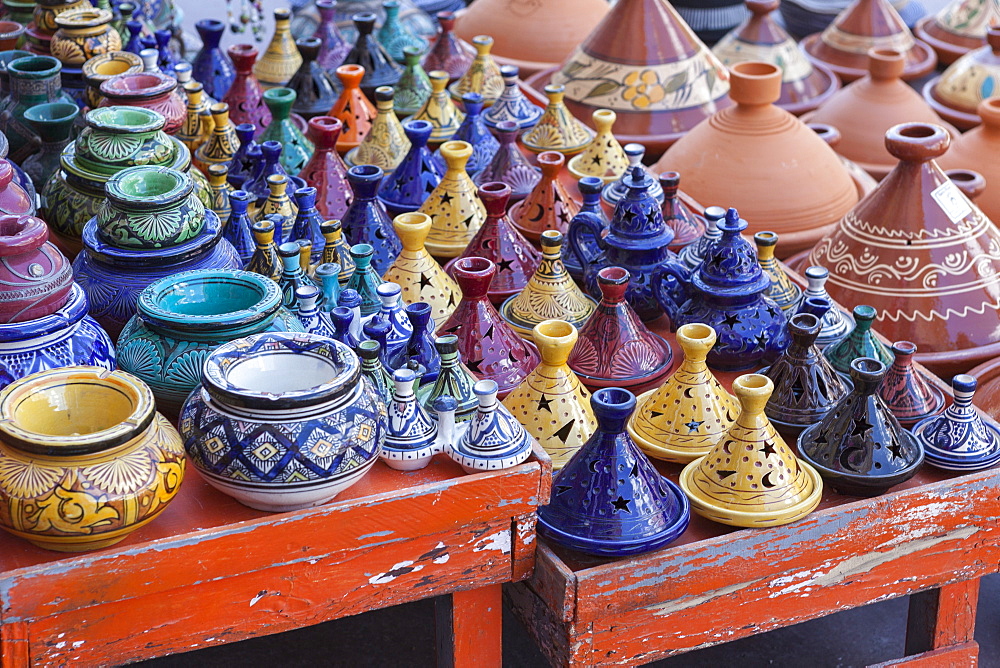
<point x="456" y="211"/>
<point x="417" y="273"/>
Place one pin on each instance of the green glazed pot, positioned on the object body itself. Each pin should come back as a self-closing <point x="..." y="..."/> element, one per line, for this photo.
<point x="33" y="80"/>
<point x="149" y="207"/>
<point x="53" y="122"/>
<point x="100" y="68"/>
<point x="296" y="149"/>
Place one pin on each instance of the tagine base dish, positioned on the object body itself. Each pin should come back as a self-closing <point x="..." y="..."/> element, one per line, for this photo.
<point x="926" y="61"/>
<point x="963" y="120"/>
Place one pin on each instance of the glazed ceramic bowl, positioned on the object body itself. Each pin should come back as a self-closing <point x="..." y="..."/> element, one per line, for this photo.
<point x="150" y="207"/>
<point x="283" y="421"/>
<point x="102" y="67"/>
<point x="83" y="34"/>
<point x="120" y="137"/>
<point x="85" y="458"/>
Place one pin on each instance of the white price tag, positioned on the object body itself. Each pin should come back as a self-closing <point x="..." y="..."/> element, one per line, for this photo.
<point x="952" y="201"/>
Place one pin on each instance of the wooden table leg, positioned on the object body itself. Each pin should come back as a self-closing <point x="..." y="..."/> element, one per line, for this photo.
<point x="14" y="645"/>
<point x="941" y="626"/>
<point x="469" y="629"/>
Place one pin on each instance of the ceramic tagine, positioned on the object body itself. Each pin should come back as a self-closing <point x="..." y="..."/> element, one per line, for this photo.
<point x="283" y="421"/>
<point x="959" y="27"/>
<point x="222" y="144"/>
<point x="783" y="291"/>
<point x="974" y="150"/>
<point x="836" y="324"/>
<point x="415" y="177"/>
<point x="861" y="342"/>
<point x="366" y="220"/>
<point x="281" y="58"/>
<point x="906" y="391"/>
<point x="379" y="68"/>
<point x="454" y="381"/>
<point x="473" y="130"/>
<point x="352" y="108"/>
<point x="509" y="165"/>
<point x="411" y="438"/>
<point x="494" y="439"/>
<point x="614" y="192"/>
<point x="296" y="149"/>
<point x="245" y="97"/>
<point x="483" y="75"/>
<point x="439" y="110"/>
<point x="326" y="171"/>
<point x="969" y="80"/>
<point x="448" y="52"/>
<point x="863" y="25"/>
<point x="87" y="458"/>
<point x="687" y="226"/>
<point x="804" y="85"/>
<point x="419" y="354"/>
<point x="315" y="90"/>
<point x="386" y="144"/>
<point x="549" y="205"/>
<point x="334" y="47"/>
<point x="960" y="439"/>
<point x="609" y="500"/>
<point x="414" y="86"/>
<point x="149" y="90"/>
<point x="211" y="66"/>
<point x="550" y="402"/>
<point x="859" y="447"/>
<point x="456" y="213"/>
<point x="512" y="105"/>
<point x="395" y="36"/>
<point x="557" y="129"/>
<point x="35" y="278"/>
<point x="603" y="156"/>
<point x="751" y="478"/>
<point x="910" y="242"/>
<point x="774" y="148"/>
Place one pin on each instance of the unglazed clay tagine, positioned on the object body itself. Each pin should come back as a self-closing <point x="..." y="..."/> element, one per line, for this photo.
<point x="959" y="27"/>
<point x="969" y="80"/>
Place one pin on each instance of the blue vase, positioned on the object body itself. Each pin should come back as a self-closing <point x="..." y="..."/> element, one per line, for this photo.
<point x="307" y="222"/>
<point x="959" y="439"/>
<point x="351" y="300"/>
<point x="270" y="164"/>
<point x="238" y="230"/>
<point x="292" y="275"/>
<point x="609" y="500"/>
<point x="165" y="59"/>
<point x="211" y="65"/>
<point x="328" y="276"/>
<point x="243" y="166"/>
<point x="417" y="175"/>
<point x="392" y="312"/>
<point x="341" y="318"/>
<point x="366" y="220"/>
<point x="474" y="131"/>
<point x="66" y="337"/>
<point x="419" y="352"/>
<point x="134" y="44"/>
<point x="590" y="188"/>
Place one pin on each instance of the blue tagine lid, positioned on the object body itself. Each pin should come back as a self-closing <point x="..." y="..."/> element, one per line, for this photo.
<point x="960" y="439"/>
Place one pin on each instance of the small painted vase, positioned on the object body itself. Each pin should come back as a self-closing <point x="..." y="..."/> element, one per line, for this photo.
<point x="439" y="110"/>
<point x="551" y="402"/>
<point x="494" y="440"/>
<point x="166" y="59"/>
<point x="340" y="318"/>
<point x="411" y="434"/>
<point x="83" y="34"/>
<point x="379" y="68"/>
<point x="150" y="56"/>
<point x="416" y="176"/>
<point x="685" y="417"/>
<point x="312" y="318"/>
<point x="729" y="293"/>
<point x="35" y="278"/>
<point x="296" y="149"/>
<point x="238" y="228"/>
<point x="378" y="376"/>
<point x="615" y="348"/>
<point x="419" y="352"/>
<point x="333" y="47"/>
<point x="269" y="164"/>
<point x="100" y="68"/>
<point x="456" y="213"/>
<point x="315" y="91"/>
<point x="550" y="294"/>
<point x="305" y="255"/>
<point x="911" y="397"/>
<point x="489" y="347"/>
<point x="149" y="90"/>
<point x="198" y="122"/>
<point x="53" y="124"/>
<point x="241" y="167"/>
<point x="692" y="255"/>
<point x="386" y="144"/>
<point x="784" y="293"/>
<point x="378" y="330"/>
<point x="861" y="342"/>
<point x="307" y="223"/>
<point x="326" y="171"/>
<point x="609" y="500"/>
<point x="33" y="80"/>
<point x="222" y="143"/>
<point x="751" y="478"/>
<point x="292" y="276"/>
<point x="219" y="189"/>
<point x="548" y="206"/>
<point x="687" y="226"/>
<point x="959" y="439"/>
<point x="245" y="97"/>
<point x="281" y="58"/>
<point x="499" y="242"/>
<point x="88" y="445"/>
<point x="395" y="36"/>
<point x="512" y="105"/>
<point x="278" y="203"/>
<point x="365" y="280"/>
<point x="806" y="386"/>
<point x="454" y="380"/>
<point x="392" y="311"/>
<point x="211" y="66"/>
<point x="859" y="447"/>
<point x="483" y="75"/>
<point x="335" y="251"/>
<point x="616" y="191"/>
<point x="509" y="165"/>
<point x="134" y="42"/>
<point x="557" y="129"/>
<point x="474" y="132"/>
<point x="327" y="274"/>
<point x="591" y="211"/>
<point x="414" y="86"/>
<point x="603" y="157"/>
<point x="836" y="323"/>
<point x="449" y="52"/>
<point x="367" y="221"/>
<point x="299" y="446"/>
<point x="353" y="109"/>
<point x="181" y="319"/>
<point x="418" y="274"/>
<point x="265" y="260"/>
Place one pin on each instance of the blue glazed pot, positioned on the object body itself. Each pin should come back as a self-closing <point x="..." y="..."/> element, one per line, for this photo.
<point x="417" y="175"/>
<point x="182" y="318"/>
<point x="67" y="337"/>
<point x="283" y="421"/>
<point x="366" y="220"/>
<point x="212" y="66"/>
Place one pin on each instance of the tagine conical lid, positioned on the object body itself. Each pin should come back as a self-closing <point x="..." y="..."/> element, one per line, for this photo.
<point x="785" y="294"/>
<point x="745" y="153"/>
<point x="967" y="82"/>
<point x="752" y="478"/>
<point x="906" y="392"/>
<point x="864" y="25"/>
<point x="439" y="110"/>
<point x="644" y="63"/>
<point x="455" y="210"/>
<point x="922" y="254"/>
<point x="804" y="85"/>
<point x="552" y="403"/>
<point x="557" y="129"/>
<point x="959" y="27"/>
<point x="483" y="75"/>
<point x="353" y="109"/>
<point x="385" y="144"/>
<point x="978" y="149"/>
<point x="886" y="100"/>
<point x="528" y="34"/>
<point x="603" y="157"/>
<point x="685" y="417"/>
<point x="549" y="205"/>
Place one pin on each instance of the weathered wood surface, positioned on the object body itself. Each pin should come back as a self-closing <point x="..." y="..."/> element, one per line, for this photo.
<point x="469" y="628"/>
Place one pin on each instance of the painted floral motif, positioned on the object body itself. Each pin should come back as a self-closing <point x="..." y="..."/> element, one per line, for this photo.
<point x="643" y="88"/>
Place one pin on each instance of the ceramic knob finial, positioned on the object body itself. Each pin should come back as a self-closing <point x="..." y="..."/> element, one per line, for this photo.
<point x="886" y="64"/>
<point x="917" y="142"/>
<point x="971" y="183"/>
<point x="755" y="83"/>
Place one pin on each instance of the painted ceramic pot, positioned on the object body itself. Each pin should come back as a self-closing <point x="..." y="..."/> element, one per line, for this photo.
<point x="334" y="47"/>
<point x="245" y="97"/>
<point x="86" y="459"/>
<point x="449" y="52"/>
<point x="221" y="144"/>
<point x="66" y="337"/>
<point x="182" y="318"/>
<point x="959" y="27"/>
<point x="296" y="149"/>
<point x="83" y="34"/>
<point x="494" y="439"/>
<point x="102" y="67"/>
<point x="11" y="33"/>
<point x="35" y="278"/>
<point x="33" y="80"/>
<point x="379" y="68"/>
<point x="149" y="90"/>
<point x="971" y="79"/>
<point x="283" y="421"/>
<point x="281" y="58"/>
<point x="14" y="200"/>
<point x="315" y="90"/>
<point x="960" y="439"/>
<point x="211" y="66"/>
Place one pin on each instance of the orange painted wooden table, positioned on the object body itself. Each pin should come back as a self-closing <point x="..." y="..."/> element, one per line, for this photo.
<point x="210" y="571"/>
<point x="933" y="536"/>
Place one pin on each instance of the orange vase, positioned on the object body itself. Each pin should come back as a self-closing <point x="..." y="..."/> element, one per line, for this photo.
<point x="352" y="108"/>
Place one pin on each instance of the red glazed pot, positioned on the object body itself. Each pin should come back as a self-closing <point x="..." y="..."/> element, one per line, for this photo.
<point x="326" y="171"/>
<point x="14" y="201"/>
<point x="245" y="97"/>
<point x="35" y="278"/>
<point x="149" y="90"/>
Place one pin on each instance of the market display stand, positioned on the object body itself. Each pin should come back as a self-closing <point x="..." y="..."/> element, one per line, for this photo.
<point x="932" y="536"/>
<point x="211" y="571"/>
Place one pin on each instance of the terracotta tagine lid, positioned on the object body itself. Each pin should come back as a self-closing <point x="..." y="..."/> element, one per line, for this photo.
<point x="804" y="85"/>
<point x="864" y="25"/>
<point x="661" y="81"/>
<point x="922" y="254"/>
<point x="549" y="205"/>
<point x="959" y="27"/>
<point x="531" y="35"/>
<point x="968" y="81"/>
<point x="745" y="152"/>
<point x="977" y="149"/>
<point x="886" y="100"/>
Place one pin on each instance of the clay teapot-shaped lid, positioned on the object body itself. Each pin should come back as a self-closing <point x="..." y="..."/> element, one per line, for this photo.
<point x="959" y="27"/>
<point x="743" y="153"/>
<point x="930" y="264"/>
<point x="863" y="25"/>
<point x="804" y="85"/>
<point x="967" y="82"/>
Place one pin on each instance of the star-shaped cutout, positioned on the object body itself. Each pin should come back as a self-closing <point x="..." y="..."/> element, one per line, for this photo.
<point x="655" y="414"/>
<point x="634" y="473"/>
<point x="861" y="427"/>
<point x="896" y="449"/>
<point x="451" y="299"/>
<point x="504" y="265"/>
<point x="629" y="216"/>
<point x="425" y="281"/>
<point x="489" y="332"/>
<point x="563" y="215"/>
<point x="596" y="160"/>
<point x="621" y="504"/>
<point x="543" y="403"/>
<point x="761" y="341"/>
<point x="731" y="320"/>
<point x="446" y="198"/>
<point x="651" y="217"/>
<point x="474" y="366"/>
<point x="768" y="449"/>
<point x="693" y="426"/>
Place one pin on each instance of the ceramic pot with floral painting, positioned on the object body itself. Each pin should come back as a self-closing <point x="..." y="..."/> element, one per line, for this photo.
<point x="149" y="90"/>
<point x="83" y="34"/>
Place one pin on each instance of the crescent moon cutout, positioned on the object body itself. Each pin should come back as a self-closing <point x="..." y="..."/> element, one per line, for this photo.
<point x="766" y="480"/>
<point x="687" y="393"/>
<point x="593" y="464"/>
<point x="541" y="212"/>
<point x="725" y="447"/>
